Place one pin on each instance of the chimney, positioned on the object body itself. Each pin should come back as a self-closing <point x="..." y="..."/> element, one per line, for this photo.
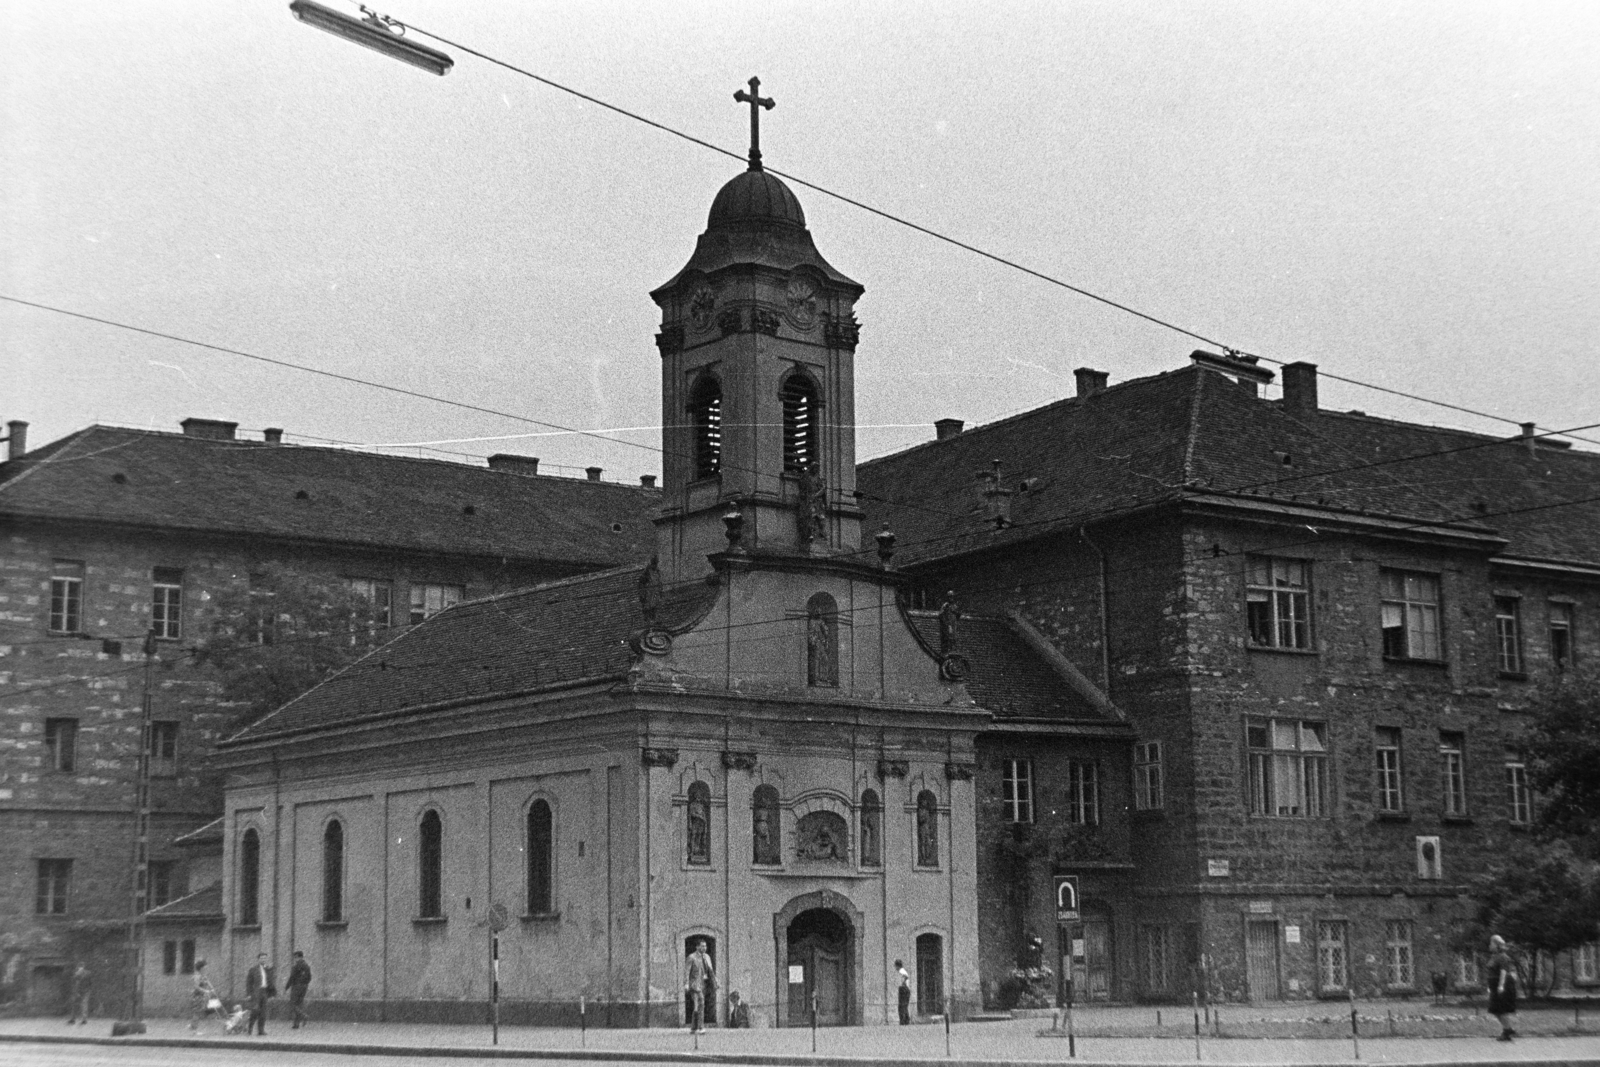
<point x="593" y="473"/>
<point x="1090" y="381"/>
<point x="648" y="481"/>
<point x="1241" y="369"/>
<point x="1300" y="388"/>
<point x="273" y="435"/>
<point x="17" y="435"/>
<point x="211" y="429"/>
<point x="505" y="462"/>
<point x="944" y="429"/>
<point x="1529" y="438"/>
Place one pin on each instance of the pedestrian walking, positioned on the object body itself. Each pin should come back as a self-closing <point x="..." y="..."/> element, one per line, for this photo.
<point x="903" y="977"/>
<point x="1502" y="986"/>
<point x="203" y="1000"/>
<point x="299" y="981"/>
<point x="258" y="989"/>
<point x="82" y="990"/>
<point x="701" y="974"/>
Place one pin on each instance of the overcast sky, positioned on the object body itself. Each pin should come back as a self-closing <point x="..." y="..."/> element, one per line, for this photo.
<point x="1405" y="194"/>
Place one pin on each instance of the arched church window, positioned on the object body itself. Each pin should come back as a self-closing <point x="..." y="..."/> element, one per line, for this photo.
<point x="822" y="640"/>
<point x="800" y="445"/>
<point x="698" y="832"/>
<point x="871" y="829"/>
<point x="250" y="879"/>
<point x="705" y="415"/>
<point x="333" y="871"/>
<point x="764" y="833"/>
<point x="541" y="846"/>
<point x="927" y="829"/>
<point x="430" y="866"/>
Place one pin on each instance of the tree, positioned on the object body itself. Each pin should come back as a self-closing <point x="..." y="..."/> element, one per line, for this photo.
<point x="1562" y="749"/>
<point x="283" y="632"/>
<point x="1544" y="897"/>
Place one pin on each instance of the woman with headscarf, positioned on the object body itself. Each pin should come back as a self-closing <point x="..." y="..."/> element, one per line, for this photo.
<point x="1502" y="986"/>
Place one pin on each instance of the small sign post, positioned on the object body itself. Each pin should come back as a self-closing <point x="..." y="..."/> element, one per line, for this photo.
<point x="499" y="919"/>
<point x="1066" y="898"/>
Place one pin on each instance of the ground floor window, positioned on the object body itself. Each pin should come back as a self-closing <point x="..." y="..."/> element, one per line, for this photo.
<point x="177" y="957"/>
<point x="1586" y="963"/>
<point x="1397" y="952"/>
<point x="1333" y="973"/>
<point x="1466" y="970"/>
<point x="1156" y="959"/>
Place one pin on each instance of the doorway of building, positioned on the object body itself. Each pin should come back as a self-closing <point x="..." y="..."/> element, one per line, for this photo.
<point x="1085" y="954"/>
<point x="930" y="974"/>
<point x="819" y="968"/>
<point x="47" y="991"/>
<point x="711" y="986"/>
<point x="1261" y="958"/>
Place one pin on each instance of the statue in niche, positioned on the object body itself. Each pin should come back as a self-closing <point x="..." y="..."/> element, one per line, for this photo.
<point x="764" y="826"/>
<point x="822" y="835"/>
<point x="949" y="620"/>
<point x="650" y="590"/>
<point x="822" y="641"/>
<point x="699" y="823"/>
<point x="811" y="504"/>
<point x="927" y="830"/>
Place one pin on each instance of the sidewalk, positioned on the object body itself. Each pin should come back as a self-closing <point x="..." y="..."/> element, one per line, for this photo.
<point x="1105" y="1035"/>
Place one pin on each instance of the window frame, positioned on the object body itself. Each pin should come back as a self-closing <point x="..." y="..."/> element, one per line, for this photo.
<point x="1399" y="954"/>
<point x="166" y="603"/>
<point x="333" y="871"/>
<point x="1083" y="792"/>
<point x="1333" y="975"/>
<point x="1453" y="774"/>
<point x="1149" y="776"/>
<point x="1419" y="639"/>
<point x="379" y="592"/>
<point x="66" y="590"/>
<point x="800" y="399"/>
<point x="161" y="746"/>
<point x="1389" y="793"/>
<point x="1016" y="791"/>
<point x="1563" y="649"/>
<point x="705" y="411"/>
<point x="1508" y="637"/>
<point x="430" y="865"/>
<point x="1310" y="768"/>
<point x="1586" y="964"/>
<point x="539" y="825"/>
<point x="52" y="886"/>
<point x="1283" y="622"/>
<point x="419" y="595"/>
<point x="1519" y="796"/>
<point x="61" y="755"/>
<point x="248" y="893"/>
<point x="162" y="875"/>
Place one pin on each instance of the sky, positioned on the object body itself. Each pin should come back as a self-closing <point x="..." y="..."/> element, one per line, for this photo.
<point x="1406" y="194"/>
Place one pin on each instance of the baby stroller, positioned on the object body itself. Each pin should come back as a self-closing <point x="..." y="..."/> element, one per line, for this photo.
<point x="238" y="1022"/>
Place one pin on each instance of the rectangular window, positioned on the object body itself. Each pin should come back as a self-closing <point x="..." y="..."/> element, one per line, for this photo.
<point x="54" y="879"/>
<point x="1390" y="797"/>
<point x="381" y="595"/>
<point x="1397" y="952"/>
<point x="1017" y="790"/>
<point x="1410" y="608"/>
<point x="1147" y="795"/>
<point x="163" y="749"/>
<point x="1157" y="959"/>
<point x="1508" y="634"/>
<point x="163" y="884"/>
<point x="66" y="597"/>
<point x="1083" y="792"/>
<point x="186" y="955"/>
<point x="432" y="598"/>
<point x="1278" y="602"/>
<point x="61" y="744"/>
<point x="1560" y="635"/>
<point x="169" y="957"/>
<point x="1453" y="772"/>
<point x="1586" y="963"/>
<point x="1466" y="970"/>
<point x="1333" y="964"/>
<point x="1288" y="767"/>
<point x="166" y="604"/>
<point x="1519" y="801"/>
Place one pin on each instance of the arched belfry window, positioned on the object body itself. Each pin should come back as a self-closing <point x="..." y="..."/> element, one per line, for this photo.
<point x="765" y="842"/>
<point x="822" y="640"/>
<point x="800" y="423"/>
<point x="927" y="829"/>
<point x="333" y="872"/>
<point x="698" y="830"/>
<point x="430" y="866"/>
<point x="705" y="415"/>
<point x="541" y="845"/>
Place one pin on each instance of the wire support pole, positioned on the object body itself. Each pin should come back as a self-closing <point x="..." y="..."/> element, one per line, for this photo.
<point x="141" y="837"/>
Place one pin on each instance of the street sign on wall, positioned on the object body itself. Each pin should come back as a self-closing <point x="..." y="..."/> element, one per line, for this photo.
<point x="1066" y="898"/>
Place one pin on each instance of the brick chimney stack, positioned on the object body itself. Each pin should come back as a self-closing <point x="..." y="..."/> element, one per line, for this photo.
<point x="16" y="438"/>
<point x="211" y="429"/>
<point x="1300" y="388"/>
<point x="947" y="428"/>
<point x="594" y="473"/>
<point x="510" y="463"/>
<point x="1090" y="381"/>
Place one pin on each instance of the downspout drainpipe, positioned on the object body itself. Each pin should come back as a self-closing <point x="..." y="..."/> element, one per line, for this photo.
<point x="271" y="946"/>
<point x="1105" y="598"/>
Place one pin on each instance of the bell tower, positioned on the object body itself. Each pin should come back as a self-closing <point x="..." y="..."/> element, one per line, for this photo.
<point x="758" y="338"/>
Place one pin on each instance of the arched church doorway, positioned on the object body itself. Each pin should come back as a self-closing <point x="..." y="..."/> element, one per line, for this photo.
<point x="820" y="943"/>
<point x="710" y="989"/>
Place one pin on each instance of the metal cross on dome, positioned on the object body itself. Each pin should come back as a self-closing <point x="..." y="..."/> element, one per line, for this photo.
<point x="756" y="102"/>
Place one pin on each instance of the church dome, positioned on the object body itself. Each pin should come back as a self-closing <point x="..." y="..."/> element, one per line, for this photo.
<point x="755" y="196"/>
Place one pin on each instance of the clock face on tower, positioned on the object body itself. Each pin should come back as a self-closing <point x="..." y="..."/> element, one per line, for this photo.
<point x="801" y="298"/>
<point x="701" y="305"/>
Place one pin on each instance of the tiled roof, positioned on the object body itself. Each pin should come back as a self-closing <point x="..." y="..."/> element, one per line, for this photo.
<point x="554" y="634"/>
<point x="177" y="482"/>
<point x="203" y="904"/>
<point x="1006" y="676"/>
<point x="1193" y="433"/>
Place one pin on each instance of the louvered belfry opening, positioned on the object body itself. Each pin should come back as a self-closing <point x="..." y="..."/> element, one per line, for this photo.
<point x="705" y="414"/>
<point x="799" y="424"/>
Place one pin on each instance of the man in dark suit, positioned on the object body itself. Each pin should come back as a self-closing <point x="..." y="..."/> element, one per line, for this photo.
<point x="258" y="989"/>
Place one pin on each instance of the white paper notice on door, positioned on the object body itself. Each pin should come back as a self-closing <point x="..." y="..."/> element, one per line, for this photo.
<point x="797" y="974"/>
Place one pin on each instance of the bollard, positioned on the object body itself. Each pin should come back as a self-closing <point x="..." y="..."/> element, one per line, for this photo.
<point x="813" y="1022"/>
<point x="947" y="1027"/>
<point x="1391" y="1022"/>
<point x="1355" y="1026"/>
<point x="1216" y="1023"/>
<point x="1158" y="1018"/>
<point x="1197" y="1025"/>
<point x="583" y="1022"/>
<point x="1576" y="1024"/>
<point x="1072" y="1037"/>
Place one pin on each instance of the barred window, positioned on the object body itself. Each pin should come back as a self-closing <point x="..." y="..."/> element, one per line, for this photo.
<point x="1017" y="790"/>
<point x="1397" y="953"/>
<point x="1156" y="959"/>
<point x="1390" y="797"/>
<point x="66" y="596"/>
<point x="166" y="605"/>
<point x="1333" y="964"/>
<point x="1508" y="634"/>
<point x="1519" y="801"/>
<point x="1278" y="603"/>
<point x="1410" y="609"/>
<point x="1288" y="768"/>
<point x="1147" y="786"/>
<point x="1453" y="772"/>
<point x="1083" y="792"/>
